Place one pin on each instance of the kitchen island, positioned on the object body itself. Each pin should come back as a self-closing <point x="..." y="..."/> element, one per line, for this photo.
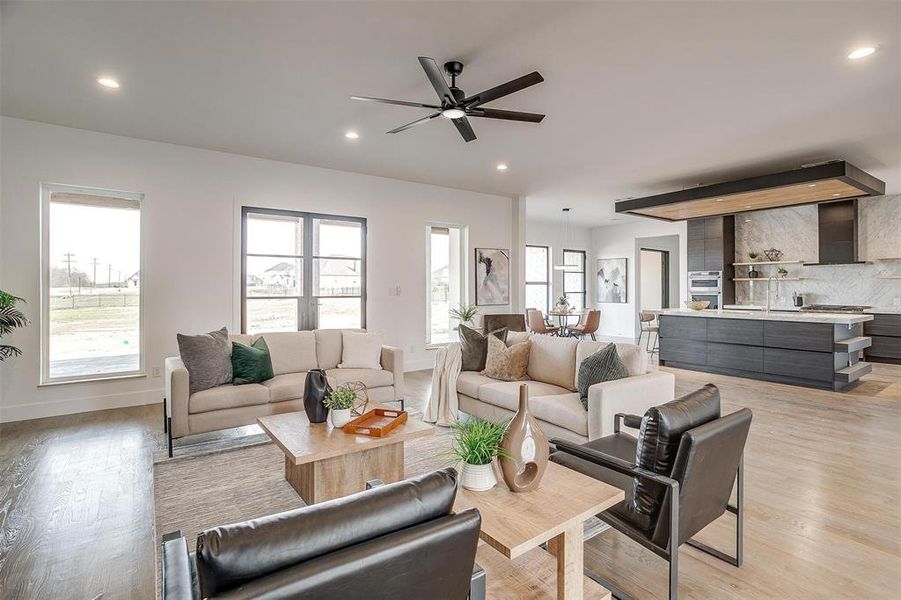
<point x="820" y="350"/>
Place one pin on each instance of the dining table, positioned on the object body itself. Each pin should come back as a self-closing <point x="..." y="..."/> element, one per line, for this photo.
<point x="563" y="320"/>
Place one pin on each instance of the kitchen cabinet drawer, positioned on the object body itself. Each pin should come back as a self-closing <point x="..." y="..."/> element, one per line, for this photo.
<point x="696" y="254"/>
<point x="816" y="366"/>
<point x="684" y="351"/>
<point x="798" y="336"/>
<point x="885" y="347"/>
<point x="683" y="328"/>
<point x="734" y="356"/>
<point x="713" y="254"/>
<point x="735" y="331"/>
<point x="883" y="325"/>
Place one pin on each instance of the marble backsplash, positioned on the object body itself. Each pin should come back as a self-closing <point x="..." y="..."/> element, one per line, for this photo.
<point x="794" y="231"/>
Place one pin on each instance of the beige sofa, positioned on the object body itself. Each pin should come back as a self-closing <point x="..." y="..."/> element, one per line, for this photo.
<point x="553" y="399"/>
<point x="293" y="354"/>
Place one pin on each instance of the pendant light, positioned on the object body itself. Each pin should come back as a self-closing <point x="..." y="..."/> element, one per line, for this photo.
<point x="567" y="243"/>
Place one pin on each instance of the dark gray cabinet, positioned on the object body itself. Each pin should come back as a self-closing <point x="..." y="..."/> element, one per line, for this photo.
<point x="735" y="331"/>
<point x="711" y="247"/>
<point x="886" y="333"/>
<point x="816" y="337"/>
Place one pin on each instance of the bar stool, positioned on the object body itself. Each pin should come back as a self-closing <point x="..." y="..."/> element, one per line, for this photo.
<point x="647" y="322"/>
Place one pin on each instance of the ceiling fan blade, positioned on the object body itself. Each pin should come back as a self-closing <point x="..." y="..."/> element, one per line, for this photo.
<point x="415" y="123"/>
<point x="465" y="129"/>
<point x="506" y="115"/>
<point x="504" y="89"/>
<point x="433" y="72"/>
<point x="398" y="102"/>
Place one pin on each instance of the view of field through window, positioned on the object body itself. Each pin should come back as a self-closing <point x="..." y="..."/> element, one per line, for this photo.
<point x="93" y="283"/>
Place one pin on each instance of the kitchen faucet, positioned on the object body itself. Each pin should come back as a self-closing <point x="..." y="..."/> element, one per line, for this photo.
<point x="768" y="280"/>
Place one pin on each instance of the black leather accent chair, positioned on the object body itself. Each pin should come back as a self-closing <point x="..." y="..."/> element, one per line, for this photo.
<point x="678" y="475"/>
<point x="399" y="540"/>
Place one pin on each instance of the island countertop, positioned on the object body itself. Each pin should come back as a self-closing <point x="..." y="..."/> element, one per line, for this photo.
<point x="793" y="317"/>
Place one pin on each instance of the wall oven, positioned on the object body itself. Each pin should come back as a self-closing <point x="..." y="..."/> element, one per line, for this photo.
<point x="706" y="285"/>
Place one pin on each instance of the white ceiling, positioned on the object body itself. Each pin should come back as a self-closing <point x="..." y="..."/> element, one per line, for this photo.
<point x="640" y="98"/>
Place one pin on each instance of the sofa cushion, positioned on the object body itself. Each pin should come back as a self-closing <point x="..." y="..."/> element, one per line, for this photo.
<point x="228" y="396"/>
<point x="553" y="360"/>
<point x="635" y="358"/>
<point x="603" y="365"/>
<point x="289" y="386"/>
<point x="291" y="351"/>
<point x="361" y="350"/>
<point x="507" y="363"/>
<point x="241" y="338"/>
<point x="251" y="364"/>
<point x="563" y="410"/>
<point x="207" y="357"/>
<point x="516" y="337"/>
<point x="505" y="394"/>
<point x="371" y="377"/>
<point x="328" y="348"/>
<point x="474" y="346"/>
<point x="468" y="382"/>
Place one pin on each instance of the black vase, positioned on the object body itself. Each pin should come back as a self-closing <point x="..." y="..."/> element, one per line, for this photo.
<point x="315" y="389"/>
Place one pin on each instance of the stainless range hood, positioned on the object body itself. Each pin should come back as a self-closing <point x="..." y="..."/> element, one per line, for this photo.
<point x="837" y="233"/>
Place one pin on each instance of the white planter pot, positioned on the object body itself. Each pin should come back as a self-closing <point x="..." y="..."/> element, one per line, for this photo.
<point x="478" y="478"/>
<point x="339" y="418"/>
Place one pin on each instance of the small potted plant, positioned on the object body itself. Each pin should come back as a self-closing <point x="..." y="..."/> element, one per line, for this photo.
<point x="753" y="273"/>
<point x="476" y="444"/>
<point x="340" y="401"/>
<point x="783" y="272"/>
<point x="464" y="313"/>
<point x="562" y="305"/>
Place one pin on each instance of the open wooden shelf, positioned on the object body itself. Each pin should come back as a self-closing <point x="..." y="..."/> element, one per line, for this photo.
<point x="765" y="278"/>
<point x="768" y="262"/>
<point x="888" y="277"/>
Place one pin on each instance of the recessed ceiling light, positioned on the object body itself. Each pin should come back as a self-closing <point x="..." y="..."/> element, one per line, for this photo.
<point x="453" y="113"/>
<point x="108" y="82"/>
<point x="811" y="185"/>
<point x="352" y="135"/>
<point x="501" y="166"/>
<point x="747" y="206"/>
<point x="834" y="195"/>
<point x="719" y="199"/>
<point x="862" y="52"/>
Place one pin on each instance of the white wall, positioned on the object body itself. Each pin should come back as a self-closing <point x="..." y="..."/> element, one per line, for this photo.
<point x="542" y="233"/>
<point x="191" y="246"/>
<point x="619" y="241"/>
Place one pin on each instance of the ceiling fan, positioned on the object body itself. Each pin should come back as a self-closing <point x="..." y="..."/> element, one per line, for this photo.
<point x="457" y="106"/>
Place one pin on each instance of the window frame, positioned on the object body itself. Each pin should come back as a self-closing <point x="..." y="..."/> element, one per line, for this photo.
<point x="548" y="282"/>
<point x="464" y="275"/>
<point x="307" y="314"/>
<point x="584" y="292"/>
<point x="46" y="190"/>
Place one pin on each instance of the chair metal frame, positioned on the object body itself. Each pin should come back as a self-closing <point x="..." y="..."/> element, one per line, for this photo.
<point x="671" y="552"/>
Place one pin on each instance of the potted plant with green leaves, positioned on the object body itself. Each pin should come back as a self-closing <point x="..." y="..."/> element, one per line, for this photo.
<point x="753" y="273"/>
<point x="562" y="305"/>
<point x="476" y="444"/>
<point x="782" y="272"/>
<point x="10" y="318"/>
<point x="465" y="313"/>
<point x="340" y="402"/>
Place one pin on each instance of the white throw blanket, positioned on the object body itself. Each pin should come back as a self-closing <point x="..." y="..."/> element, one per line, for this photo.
<point x="443" y="406"/>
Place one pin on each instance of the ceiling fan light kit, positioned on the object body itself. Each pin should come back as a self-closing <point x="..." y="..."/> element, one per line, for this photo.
<point x="456" y="106"/>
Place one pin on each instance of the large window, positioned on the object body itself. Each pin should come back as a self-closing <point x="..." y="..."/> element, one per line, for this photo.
<point x="302" y="271"/>
<point x="91" y="284"/>
<point x="538" y="287"/>
<point x="446" y="246"/>
<point x="574" y="280"/>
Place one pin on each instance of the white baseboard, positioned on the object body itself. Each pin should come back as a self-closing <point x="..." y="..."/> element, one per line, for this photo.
<point x="23" y="412"/>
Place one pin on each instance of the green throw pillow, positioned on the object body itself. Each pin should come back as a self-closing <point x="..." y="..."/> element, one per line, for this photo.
<point x="251" y="364"/>
<point x="603" y="365"/>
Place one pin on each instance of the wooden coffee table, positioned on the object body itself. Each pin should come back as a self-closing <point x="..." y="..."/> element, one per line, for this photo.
<point x="322" y="462"/>
<point x="514" y="524"/>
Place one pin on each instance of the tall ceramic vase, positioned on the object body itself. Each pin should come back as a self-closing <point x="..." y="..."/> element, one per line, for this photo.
<point x="526" y="449"/>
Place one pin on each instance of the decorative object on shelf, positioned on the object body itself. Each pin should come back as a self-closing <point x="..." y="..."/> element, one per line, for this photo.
<point x="798" y="299"/>
<point x="782" y="272"/>
<point x="753" y="273"/>
<point x="476" y="444"/>
<point x="697" y="304"/>
<point x="10" y="318"/>
<point x="562" y="305"/>
<point x="340" y="402"/>
<point x="612" y="280"/>
<point x="492" y="276"/>
<point x="464" y="313"/>
<point x="378" y="422"/>
<point x="525" y="449"/>
<point x="315" y="390"/>
<point x="753" y="255"/>
<point x="772" y="254"/>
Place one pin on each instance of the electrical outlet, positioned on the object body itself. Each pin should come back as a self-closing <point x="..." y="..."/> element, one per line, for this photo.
<point x="155" y="372"/>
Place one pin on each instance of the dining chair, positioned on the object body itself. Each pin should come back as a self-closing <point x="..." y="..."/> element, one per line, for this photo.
<point x="647" y="322"/>
<point x="537" y="324"/>
<point x="587" y="325"/>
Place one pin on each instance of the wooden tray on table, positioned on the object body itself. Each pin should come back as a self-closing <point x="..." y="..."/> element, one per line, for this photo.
<point x="378" y="422"/>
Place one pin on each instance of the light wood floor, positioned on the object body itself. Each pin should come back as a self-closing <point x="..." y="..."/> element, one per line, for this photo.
<point x="823" y="482"/>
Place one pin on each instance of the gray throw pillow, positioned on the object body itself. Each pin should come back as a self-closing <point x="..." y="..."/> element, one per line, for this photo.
<point x="603" y="365"/>
<point x="207" y="358"/>
<point x="475" y="347"/>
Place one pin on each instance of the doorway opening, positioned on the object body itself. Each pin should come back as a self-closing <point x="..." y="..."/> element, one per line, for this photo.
<point x="655" y="276"/>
